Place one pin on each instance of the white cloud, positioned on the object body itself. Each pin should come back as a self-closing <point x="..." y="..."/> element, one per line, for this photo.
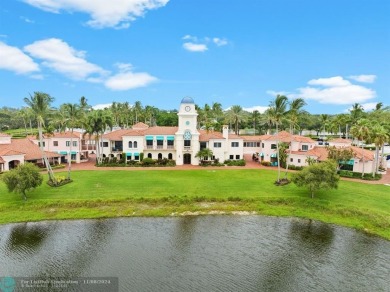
<point x="102" y="106"/>
<point x="192" y="47"/>
<point x="275" y="93"/>
<point x="13" y="59"/>
<point x="369" y="106"/>
<point x="126" y="79"/>
<point x="260" y="109"/>
<point x="27" y="19"/>
<point x="335" y="90"/>
<point x="363" y="78"/>
<point x="59" y="56"/>
<point x="220" y="42"/>
<point x="103" y="13"/>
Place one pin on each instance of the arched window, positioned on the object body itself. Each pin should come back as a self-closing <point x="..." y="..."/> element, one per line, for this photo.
<point x="149" y="155"/>
<point x="170" y="156"/>
<point x="130" y="144"/>
<point x="159" y="156"/>
<point x="135" y="144"/>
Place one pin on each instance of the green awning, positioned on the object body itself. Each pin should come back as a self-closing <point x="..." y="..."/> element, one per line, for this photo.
<point x="159" y="137"/>
<point x="170" y="138"/>
<point x="128" y="154"/>
<point x="63" y="152"/>
<point x="149" y="138"/>
<point x="73" y="152"/>
<point x="261" y="154"/>
<point x="273" y="155"/>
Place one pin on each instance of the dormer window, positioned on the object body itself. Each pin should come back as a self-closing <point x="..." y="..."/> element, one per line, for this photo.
<point x="305" y="147"/>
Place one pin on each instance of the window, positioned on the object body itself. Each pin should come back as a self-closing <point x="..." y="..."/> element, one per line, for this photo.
<point x="273" y="146"/>
<point x="203" y="145"/>
<point x="55" y="143"/>
<point x="67" y="143"/>
<point x="231" y="157"/>
<point x="170" y="142"/>
<point x="160" y="142"/>
<point x="237" y="156"/>
<point x="244" y="144"/>
<point x="136" y="156"/>
<point x="217" y="144"/>
<point x="305" y="147"/>
<point x="234" y="144"/>
<point x="149" y="155"/>
<point x="299" y="161"/>
<point x="170" y="156"/>
<point x="73" y="157"/>
<point x="104" y="144"/>
<point x="291" y="160"/>
<point x="159" y="155"/>
<point x="149" y="142"/>
<point x="43" y="144"/>
<point x="135" y="144"/>
<point x="75" y="143"/>
<point x="258" y="144"/>
<point x="187" y="143"/>
<point x="130" y="144"/>
<point x="262" y="145"/>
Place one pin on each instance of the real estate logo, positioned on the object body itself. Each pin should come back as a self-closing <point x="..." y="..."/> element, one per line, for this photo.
<point x="7" y="284"/>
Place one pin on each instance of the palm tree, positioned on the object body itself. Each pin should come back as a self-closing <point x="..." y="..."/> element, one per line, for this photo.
<point x="324" y="120"/>
<point x="361" y="131"/>
<point x="255" y="117"/>
<point x="73" y="115"/>
<point x="204" y="153"/>
<point x="276" y="113"/>
<point x="39" y="104"/>
<point x="380" y="136"/>
<point x="137" y="109"/>
<point x="293" y="115"/>
<point x="236" y="115"/>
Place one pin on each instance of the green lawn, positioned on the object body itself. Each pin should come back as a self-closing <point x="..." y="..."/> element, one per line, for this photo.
<point x="157" y="193"/>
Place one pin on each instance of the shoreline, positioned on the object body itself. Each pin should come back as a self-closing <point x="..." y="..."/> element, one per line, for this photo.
<point x="372" y="224"/>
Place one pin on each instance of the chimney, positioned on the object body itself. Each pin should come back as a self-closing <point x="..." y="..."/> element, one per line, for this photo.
<point x="225" y="131"/>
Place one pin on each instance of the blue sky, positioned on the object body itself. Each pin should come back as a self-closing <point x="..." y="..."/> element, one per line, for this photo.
<point x="332" y="53"/>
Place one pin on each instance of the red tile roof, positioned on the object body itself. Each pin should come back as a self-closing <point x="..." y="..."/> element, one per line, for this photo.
<point x="254" y="138"/>
<point x="234" y="136"/>
<point x="118" y="134"/>
<point x="207" y="136"/>
<point x="140" y="126"/>
<point x="284" y="136"/>
<point x="359" y="153"/>
<point x="75" y="135"/>
<point x="27" y="147"/>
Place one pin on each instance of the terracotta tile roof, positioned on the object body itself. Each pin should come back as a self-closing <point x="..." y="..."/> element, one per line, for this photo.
<point x="207" y="136"/>
<point x="341" y="140"/>
<point x="118" y="134"/>
<point x="75" y="135"/>
<point x="359" y="152"/>
<point x="284" y="136"/>
<point x="27" y="147"/>
<point x="160" y="131"/>
<point x="234" y="136"/>
<point x="8" y="151"/>
<point x="254" y="138"/>
<point x="140" y="126"/>
<point x="322" y="153"/>
<point x="4" y="135"/>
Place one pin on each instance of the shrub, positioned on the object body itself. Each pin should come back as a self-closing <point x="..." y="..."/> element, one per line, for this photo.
<point x="240" y="162"/>
<point x="266" y="163"/>
<point x="294" y="167"/>
<point x="148" y="161"/>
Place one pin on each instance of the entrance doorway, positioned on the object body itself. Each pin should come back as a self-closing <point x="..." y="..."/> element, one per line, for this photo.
<point x="187" y="158"/>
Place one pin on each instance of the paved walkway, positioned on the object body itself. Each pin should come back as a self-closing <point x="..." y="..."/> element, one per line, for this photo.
<point x="90" y="165"/>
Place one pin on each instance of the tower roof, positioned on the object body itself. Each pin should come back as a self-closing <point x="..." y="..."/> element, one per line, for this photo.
<point x="187" y="99"/>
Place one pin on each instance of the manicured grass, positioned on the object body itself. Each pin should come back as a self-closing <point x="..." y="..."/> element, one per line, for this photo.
<point x="95" y="194"/>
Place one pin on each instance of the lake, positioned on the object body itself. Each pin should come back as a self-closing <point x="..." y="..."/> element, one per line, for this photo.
<point x="199" y="253"/>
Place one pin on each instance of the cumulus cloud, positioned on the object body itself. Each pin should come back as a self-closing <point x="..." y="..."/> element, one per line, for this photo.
<point x="195" y="44"/>
<point x="334" y="90"/>
<point x="102" y="106"/>
<point x="13" y="59"/>
<point x="127" y="79"/>
<point x="103" y="13"/>
<point x="363" y="78"/>
<point x="259" y="108"/>
<point x="192" y="47"/>
<point x="59" y="56"/>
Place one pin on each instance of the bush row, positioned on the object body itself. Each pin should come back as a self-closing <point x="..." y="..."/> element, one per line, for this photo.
<point x="146" y="162"/>
<point x="367" y="176"/>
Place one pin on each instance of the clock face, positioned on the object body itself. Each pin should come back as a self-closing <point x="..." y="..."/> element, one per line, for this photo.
<point x="187" y="108"/>
<point x="188" y="123"/>
<point x="187" y="135"/>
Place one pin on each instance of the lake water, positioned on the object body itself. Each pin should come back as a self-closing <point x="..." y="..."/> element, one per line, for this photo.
<point x="205" y="253"/>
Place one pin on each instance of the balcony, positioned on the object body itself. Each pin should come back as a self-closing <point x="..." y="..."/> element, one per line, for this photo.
<point x="117" y="149"/>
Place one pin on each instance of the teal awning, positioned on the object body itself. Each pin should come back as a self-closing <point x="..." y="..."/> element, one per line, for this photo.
<point x="160" y="137"/>
<point x="261" y="154"/>
<point x="63" y="152"/>
<point x="170" y="138"/>
<point x="136" y="154"/>
<point x="149" y="138"/>
<point x="273" y="155"/>
<point x="128" y="154"/>
<point x="73" y="152"/>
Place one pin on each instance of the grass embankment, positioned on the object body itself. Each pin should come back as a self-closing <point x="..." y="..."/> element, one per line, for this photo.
<point x="98" y="194"/>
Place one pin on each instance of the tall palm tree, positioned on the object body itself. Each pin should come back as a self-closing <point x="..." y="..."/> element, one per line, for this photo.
<point x="255" y="117"/>
<point x="380" y="136"/>
<point x="293" y="114"/>
<point x="361" y="131"/>
<point x="39" y="103"/>
<point x="73" y="115"/>
<point x="276" y="113"/>
<point x="236" y="115"/>
<point x="137" y="109"/>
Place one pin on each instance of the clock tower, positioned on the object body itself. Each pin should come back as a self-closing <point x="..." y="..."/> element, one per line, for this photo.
<point x="187" y="136"/>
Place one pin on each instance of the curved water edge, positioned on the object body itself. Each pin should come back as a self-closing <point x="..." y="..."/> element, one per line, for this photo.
<point x="200" y="253"/>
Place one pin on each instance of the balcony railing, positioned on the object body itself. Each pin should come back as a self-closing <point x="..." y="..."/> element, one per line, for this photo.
<point x="117" y="149"/>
